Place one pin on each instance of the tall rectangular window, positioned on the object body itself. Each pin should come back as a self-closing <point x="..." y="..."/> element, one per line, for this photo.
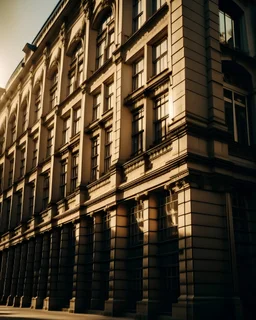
<point x="108" y="149"/>
<point x="22" y="162"/>
<point x="63" y="178"/>
<point x="10" y="173"/>
<point x="137" y="14"/>
<point x="95" y="159"/>
<point x="138" y="74"/>
<point x="105" y="40"/>
<point x="76" y="68"/>
<point x="8" y="212"/>
<point x="111" y="44"/>
<point x="45" y="191"/>
<point x="236" y="116"/>
<point x="71" y="80"/>
<point x="74" y="171"/>
<point x="96" y="107"/>
<point x="37" y="105"/>
<point x="160" y="56"/>
<point x="77" y="121"/>
<point x="49" y="142"/>
<point x="13" y="130"/>
<point x="229" y="30"/>
<point x="66" y="130"/>
<point x="35" y="151"/>
<point x="19" y="207"/>
<point x="53" y="89"/>
<point x="24" y="118"/>
<point x="161" y="115"/>
<point x="31" y="199"/>
<point x="100" y="53"/>
<point x="137" y="132"/>
<point x="109" y="96"/>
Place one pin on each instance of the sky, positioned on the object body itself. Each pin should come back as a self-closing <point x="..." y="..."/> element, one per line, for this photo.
<point x="20" y="21"/>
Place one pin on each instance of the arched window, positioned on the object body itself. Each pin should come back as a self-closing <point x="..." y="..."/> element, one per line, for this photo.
<point x="231" y="25"/>
<point x="105" y="39"/>
<point x="237" y="85"/>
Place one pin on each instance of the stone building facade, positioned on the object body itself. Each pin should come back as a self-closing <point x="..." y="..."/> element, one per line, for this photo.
<point x="127" y="161"/>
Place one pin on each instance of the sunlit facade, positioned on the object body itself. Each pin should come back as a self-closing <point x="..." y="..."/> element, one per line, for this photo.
<point x="127" y="162"/>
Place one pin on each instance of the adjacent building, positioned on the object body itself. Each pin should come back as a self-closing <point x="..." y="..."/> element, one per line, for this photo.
<point x="127" y="161"/>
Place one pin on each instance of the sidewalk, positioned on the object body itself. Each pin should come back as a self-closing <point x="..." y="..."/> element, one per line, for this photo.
<point x="27" y="313"/>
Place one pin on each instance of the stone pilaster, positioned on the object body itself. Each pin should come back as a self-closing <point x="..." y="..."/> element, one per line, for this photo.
<point x="8" y="275"/>
<point x="148" y="307"/>
<point x="15" y="275"/>
<point x="116" y="303"/>
<point x="37" y="263"/>
<point x="51" y="301"/>
<point x="82" y="270"/>
<point x="97" y="299"/>
<point x="66" y="261"/>
<point x="206" y="287"/>
<point x="21" y="275"/>
<point x="26" y="289"/>
<point x="41" y="290"/>
<point x="3" y="270"/>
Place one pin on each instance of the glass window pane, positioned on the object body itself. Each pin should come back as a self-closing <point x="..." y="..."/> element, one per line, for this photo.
<point x="229" y="30"/>
<point x="241" y="123"/>
<point x="229" y="116"/>
<point x="222" y="26"/>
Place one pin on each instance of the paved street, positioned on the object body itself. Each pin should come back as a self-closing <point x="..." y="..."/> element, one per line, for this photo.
<point x="26" y="313"/>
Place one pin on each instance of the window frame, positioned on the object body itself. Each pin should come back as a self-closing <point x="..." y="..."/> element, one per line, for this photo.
<point x="138" y="131"/>
<point x="22" y="161"/>
<point x="35" y="152"/>
<point x="75" y="68"/>
<point x="63" y="178"/>
<point x="137" y="15"/>
<point x="76" y="120"/>
<point x="160" y="61"/>
<point x="108" y="148"/>
<point x="236" y="90"/>
<point x="46" y="191"/>
<point x="24" y="117"/>
<point x="66" y="130"/>
<point x="163" y="119"/>
<point x="96" y="106"/>
<point x="50" y="137"/>
<point x="31" y="202"/>
<point x="138" y="77"/>
<point x="104" y="44"/>
<point x="11" y="171"/>
<point x="74" y="171"/>
<point x="37" y="104"/>
<point x="53" y="88"/>
<point x="94" y="158"/>
<point x="109" y="96"/>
